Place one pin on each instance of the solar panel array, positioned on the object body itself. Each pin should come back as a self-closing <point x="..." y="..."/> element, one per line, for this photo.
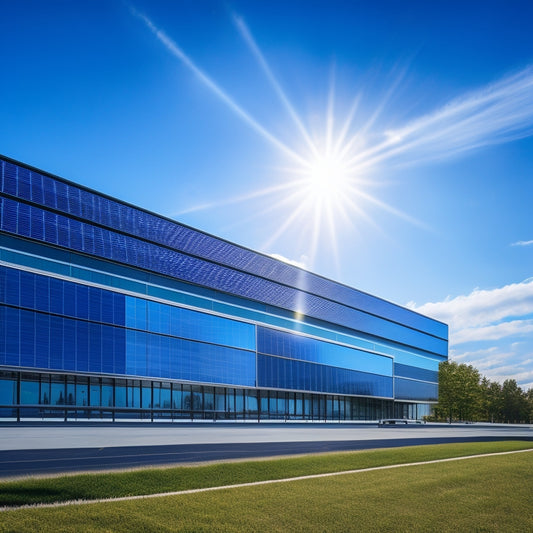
<point x="76" y="218"/>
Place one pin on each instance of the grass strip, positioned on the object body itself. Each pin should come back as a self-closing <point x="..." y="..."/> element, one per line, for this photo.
<point x="159" y="480"/>
<point x="480" y="494"/>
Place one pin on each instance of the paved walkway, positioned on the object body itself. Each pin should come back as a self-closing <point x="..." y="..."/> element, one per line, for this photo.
<point x="43" y="449"/>
<point x="94" y="435"/>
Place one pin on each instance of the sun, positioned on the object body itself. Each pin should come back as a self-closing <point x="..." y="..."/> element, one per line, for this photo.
<point x="327" y="178"/>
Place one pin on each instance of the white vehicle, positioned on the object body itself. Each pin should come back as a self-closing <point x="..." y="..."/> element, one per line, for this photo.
<point x="398" y="421"/>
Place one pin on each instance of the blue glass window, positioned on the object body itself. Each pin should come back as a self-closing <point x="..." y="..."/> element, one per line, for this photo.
<point x="12" y="336"/>
<point x="29" y="390"/>
<point x="159" y="356"/>
<point x="8" y="391"/>
<point x="35" y="291"/>
<point x="38" y="340"/>
<point x="42" y="340"/>
<point x="407" y="389"/>
<point x="278" y="372"/>
<point x="185" y="323"/>
<point x="274" y="342"/>
<point x="416" y="373"/>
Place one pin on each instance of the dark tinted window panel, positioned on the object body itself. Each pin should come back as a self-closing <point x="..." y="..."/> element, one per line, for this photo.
<point x="95" y="347"/>
<point x="185" y="323"/>
<point x="413" y="372"/>
<point x="35" y="291"/>
<point x="27" y="338"/>
<point x="38" y="340"/>
<point x="12" y="286"/>
<point x="110" y="337"/>
<point x="274" y="342"/>
<point x="82" y="346"/>
<point x="119" y="350"/>
<point x="27" y="290"/>
<point x="42" y="293"/>
<point x="119" y="309"/>
<point x="95" y="304"/>
<point x="69" y="344"/>
<point x="190" y="269"/>
<point x="69" y="299"/>
<point x="42" y="340"/>
<point x="281" y="373"/>
<point x="3" y="275"/>
<point x="406" y="389"/>
<point x="57" y="345"/>
<point x="167" y="357"/>
<point x="73" y="200"/>
<point x="56" y="296"/>
<point x="12" y="336"/>
<point x="82" y="301"/>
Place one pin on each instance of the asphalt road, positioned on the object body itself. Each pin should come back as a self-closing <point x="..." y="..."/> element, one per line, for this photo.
<point x="43" y="449"/>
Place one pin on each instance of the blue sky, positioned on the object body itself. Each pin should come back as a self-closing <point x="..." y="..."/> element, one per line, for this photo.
<point x="387" y="145"/>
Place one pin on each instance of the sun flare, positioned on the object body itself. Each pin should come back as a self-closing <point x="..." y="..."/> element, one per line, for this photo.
<point x="324" y="177"/>
<point x="327" y="178"/>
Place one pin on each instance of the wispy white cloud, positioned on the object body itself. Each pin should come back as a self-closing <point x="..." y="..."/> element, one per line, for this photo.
<point x="520" y="371"/>
<point x="501" y="362"/>
<point x="177" y="52"/>
<point x="485" y="358"/>
<point x="501" y="111"/>
<point x="302" y="262"/>
<point x="483" y="308"/>
<point x="496" y="113"/>
<point x="522" y="243"/>
<point x="490" y="333"/>
<point x="491" y="329"/>
<point x="252" y="45"/>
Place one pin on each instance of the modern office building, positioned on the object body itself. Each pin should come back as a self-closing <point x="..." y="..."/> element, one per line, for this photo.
<point x="110" y="311"/>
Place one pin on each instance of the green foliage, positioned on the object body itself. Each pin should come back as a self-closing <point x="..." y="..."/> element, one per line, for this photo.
<point x="458" y="390"/>
<point x="466" y="396"/>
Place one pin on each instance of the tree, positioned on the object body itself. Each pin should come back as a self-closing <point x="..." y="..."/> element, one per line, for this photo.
<point x="469" y="392"/>
<point x="495" y="402"/>
<point x="459" y="390"/>
<point x="514" y="402"/>
<point x="447" y="390"/>
<point x="489" y="408"/>
<point x="529" y="396"/>
<point x="465" y="395"/>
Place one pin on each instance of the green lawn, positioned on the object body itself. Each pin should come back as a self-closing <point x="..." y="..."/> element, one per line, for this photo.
<point x="484" y="494"/>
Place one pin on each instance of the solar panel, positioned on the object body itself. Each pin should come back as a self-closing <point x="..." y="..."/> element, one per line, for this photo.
<point x="97" y="241"/>
<point x="115" y="215"/>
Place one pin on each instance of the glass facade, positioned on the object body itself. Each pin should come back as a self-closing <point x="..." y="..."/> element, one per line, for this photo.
<point x="110" y="311"/>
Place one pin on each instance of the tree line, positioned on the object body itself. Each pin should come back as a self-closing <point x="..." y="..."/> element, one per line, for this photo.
<point x="465" y="395"/>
